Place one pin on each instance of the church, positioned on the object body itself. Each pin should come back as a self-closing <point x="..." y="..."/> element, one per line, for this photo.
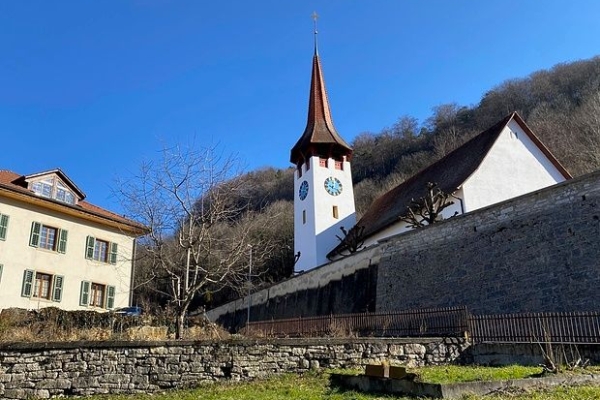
<point x="502" y="168"/>
<point x="505" y="161"/>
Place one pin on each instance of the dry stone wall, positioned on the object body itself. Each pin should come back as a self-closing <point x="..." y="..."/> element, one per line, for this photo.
<point x="535" y="253"/>
<point x="89" y="368"/>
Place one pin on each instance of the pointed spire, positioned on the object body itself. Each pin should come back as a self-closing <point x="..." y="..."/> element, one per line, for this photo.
<point x="315" y="17"/>
<point x="320" y="136"/>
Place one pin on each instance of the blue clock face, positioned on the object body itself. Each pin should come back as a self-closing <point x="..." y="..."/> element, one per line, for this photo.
<point x="303" y="191"/>
<point x="333" y="186"/>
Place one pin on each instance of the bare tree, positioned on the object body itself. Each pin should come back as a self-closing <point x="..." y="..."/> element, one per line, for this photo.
<point x="428" y="209"/>
<point x="196" y="241"/>
<point x="352" y="239"/>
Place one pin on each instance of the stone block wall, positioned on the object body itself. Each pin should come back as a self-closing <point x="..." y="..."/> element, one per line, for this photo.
<point x="342" y="287"/>
<point x="532" y="354"/>
<point x="538" y="252"/>
<point x="89" y="368"/>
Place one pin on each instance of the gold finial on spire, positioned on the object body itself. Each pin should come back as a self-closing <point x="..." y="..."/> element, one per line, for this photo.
<point x="315" y="17"/>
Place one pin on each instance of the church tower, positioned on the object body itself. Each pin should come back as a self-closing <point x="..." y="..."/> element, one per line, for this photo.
<point x="323" y="194"/>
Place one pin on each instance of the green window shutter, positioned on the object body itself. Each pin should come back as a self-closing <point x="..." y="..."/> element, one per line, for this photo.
<point x="62" y="241"/>
<point x="110" y="297"/>
<point x="89" y="248"/>
<point x="57" y="288"/>
<point x="113" y="253"/>
<point x="34" y="238"/>
<point x="3" y="226"/>
<point x="84" y="297"/>
<point x="27" y="283"/>
<point x="1" y="267"/>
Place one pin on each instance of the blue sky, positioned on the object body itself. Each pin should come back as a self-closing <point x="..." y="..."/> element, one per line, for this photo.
<point x="96" y="87"/>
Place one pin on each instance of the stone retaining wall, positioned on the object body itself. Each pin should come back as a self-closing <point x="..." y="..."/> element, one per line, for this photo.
<point x="498" y="354"/>
<point x="87" y="368"/>
<point x="534" y="253"/>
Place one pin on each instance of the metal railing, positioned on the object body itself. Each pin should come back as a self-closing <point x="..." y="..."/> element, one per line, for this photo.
<point x="573" y="327"/>
<point x="451" y="321"/>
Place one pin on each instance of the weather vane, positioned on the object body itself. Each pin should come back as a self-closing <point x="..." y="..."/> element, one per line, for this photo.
<point x="315" y="17"/>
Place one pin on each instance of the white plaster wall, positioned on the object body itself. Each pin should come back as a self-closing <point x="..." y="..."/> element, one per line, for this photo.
<point x="318" y="236"/>
<point x="401" y="226"/>
<point x="16" y="255"/>
<point x="514" y="166"/>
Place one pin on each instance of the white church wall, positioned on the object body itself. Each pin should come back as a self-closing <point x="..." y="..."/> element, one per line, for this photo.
<point x="316" y="236"/>
<point x="513" y="166"/>
<point x="401" y="226"/>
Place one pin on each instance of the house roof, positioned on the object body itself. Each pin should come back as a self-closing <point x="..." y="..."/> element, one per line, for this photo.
<point x="320" y="136"/>
<point x="15" y="185"/>
<point x="59" y="173"/>
<point x="449" y="173"/>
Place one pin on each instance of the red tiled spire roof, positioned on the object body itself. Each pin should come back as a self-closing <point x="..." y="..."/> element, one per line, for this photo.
<point x="320" y="136"/>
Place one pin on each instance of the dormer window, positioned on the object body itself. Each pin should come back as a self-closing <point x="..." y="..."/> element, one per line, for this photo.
<point x="53" y="188"/>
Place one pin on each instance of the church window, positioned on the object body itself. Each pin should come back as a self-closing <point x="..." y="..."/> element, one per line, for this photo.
<point x="304" y="216"/>
<point x="307" y="164"/>
<point x="336" y="214"/>
<point x="323" y="162"/>
<point x="299" y="170"/>
<point x="339" y="165"/>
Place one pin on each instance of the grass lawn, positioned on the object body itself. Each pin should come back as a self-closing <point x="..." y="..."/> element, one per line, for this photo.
<point x="316" y="386"/>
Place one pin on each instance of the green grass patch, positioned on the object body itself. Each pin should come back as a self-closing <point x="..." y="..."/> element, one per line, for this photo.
<point x="313" y="386"/>
<point x="457" y="373"/>
<point x="310" y="386"/>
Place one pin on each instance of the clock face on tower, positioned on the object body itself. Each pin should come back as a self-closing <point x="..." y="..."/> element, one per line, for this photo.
<point x="303" y="191"/>
<point x="333" y="186"/>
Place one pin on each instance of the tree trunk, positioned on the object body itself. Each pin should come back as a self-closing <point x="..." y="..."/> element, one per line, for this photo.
<point x="180" y="324"/>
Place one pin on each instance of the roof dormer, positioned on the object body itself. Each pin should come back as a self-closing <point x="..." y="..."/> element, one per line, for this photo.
<point x="54" y="185"/>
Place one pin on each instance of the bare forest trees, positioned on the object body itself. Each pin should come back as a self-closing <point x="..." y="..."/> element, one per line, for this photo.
<point x="197" y="243"/>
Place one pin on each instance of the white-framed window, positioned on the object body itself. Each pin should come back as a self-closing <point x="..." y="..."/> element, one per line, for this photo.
<point x="53" y="188"/>
<point x="97" y="295"/>
<point x="3" y="226"/>
<point x="101" y="250"/>
<point x="42" y="285"/>
<point x="48" y="237"/>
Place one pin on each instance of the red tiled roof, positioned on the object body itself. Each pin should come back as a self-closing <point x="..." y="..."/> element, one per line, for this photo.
<point x="320" y="136"/>
<point x="14" y="182"/>
<point x="449" y="173"/>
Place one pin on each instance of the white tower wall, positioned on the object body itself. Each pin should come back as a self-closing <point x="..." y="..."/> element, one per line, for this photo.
<point x="316" y="222"/>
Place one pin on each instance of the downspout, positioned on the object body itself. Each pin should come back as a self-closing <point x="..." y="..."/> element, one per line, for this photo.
<point x="134" y="249"/>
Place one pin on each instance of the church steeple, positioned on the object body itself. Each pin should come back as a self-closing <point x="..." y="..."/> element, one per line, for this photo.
<point x="320" y="136"/>
<point x="323" y="193"/>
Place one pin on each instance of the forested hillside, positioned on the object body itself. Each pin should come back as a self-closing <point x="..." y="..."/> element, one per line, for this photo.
<point x="561" y="105"/>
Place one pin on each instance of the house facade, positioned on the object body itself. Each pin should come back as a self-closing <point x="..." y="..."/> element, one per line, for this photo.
<point x="58" y="250"/>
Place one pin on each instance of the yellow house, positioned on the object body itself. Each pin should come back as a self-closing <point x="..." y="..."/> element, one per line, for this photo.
<point x="56" y="249"/>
